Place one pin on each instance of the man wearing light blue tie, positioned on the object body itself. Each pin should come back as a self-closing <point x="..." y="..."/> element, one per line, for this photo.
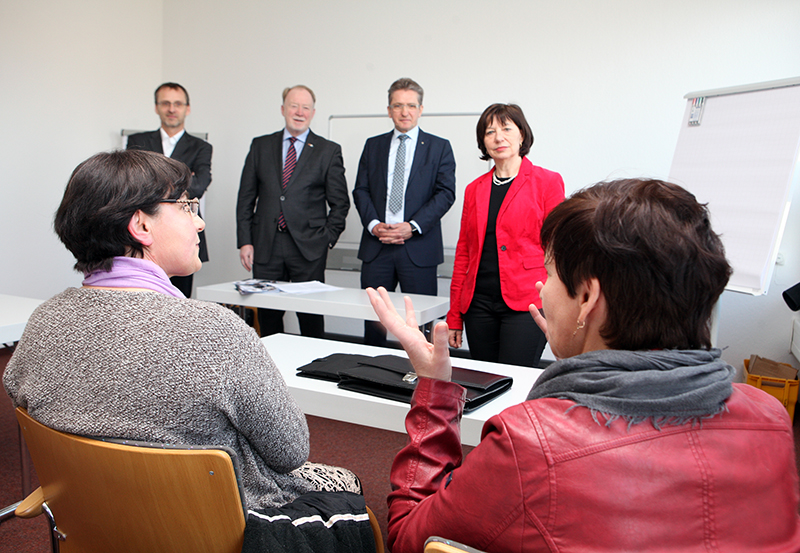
<point x="405" y="185"/>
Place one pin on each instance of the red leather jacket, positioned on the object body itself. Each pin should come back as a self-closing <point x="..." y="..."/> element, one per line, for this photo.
<point x="549" y="478"/>
<point x="533" y="194"/>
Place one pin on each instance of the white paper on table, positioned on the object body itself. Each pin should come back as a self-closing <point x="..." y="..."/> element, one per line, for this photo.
<point x="304" y="287"/>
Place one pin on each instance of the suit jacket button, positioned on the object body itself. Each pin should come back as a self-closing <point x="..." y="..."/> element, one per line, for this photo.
<point x="283" y="198"/>
<point x="502" y="248"/>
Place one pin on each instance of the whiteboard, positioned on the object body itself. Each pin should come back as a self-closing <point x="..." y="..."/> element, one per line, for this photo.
<point x="737" y="151"/>
<point x="352" y="131"/>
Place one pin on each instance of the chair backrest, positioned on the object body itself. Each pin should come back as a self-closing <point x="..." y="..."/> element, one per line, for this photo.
<point x="435" y="544"/>
<point x="112" y="497"/>
<point x="376" y="531"/>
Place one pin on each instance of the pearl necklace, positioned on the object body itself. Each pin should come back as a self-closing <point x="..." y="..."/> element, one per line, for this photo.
<point x="500" y="181"/>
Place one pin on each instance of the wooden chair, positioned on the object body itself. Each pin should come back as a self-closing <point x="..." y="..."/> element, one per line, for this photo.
<point x="242" y="310"/>
<point x="376" y="531"/>
<point x="105" y="496"/>
<point x="102" y="495"/>
<point x="435" y="544"/>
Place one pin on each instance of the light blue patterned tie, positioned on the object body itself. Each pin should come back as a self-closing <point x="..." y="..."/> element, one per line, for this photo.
<point x="398" y="190"/>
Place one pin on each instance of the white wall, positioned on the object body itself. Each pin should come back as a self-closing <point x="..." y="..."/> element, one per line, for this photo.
<point x="601" y="82"/>
<point x="72" y="74"/>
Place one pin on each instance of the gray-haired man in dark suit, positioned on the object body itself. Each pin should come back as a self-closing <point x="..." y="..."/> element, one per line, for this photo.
<point x="292" y="206"/>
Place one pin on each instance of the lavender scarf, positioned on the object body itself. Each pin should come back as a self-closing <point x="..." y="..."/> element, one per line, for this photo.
<point x="132" y="272"/>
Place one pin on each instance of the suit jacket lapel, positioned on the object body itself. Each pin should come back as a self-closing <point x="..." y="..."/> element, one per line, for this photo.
<point x="420" y="154"/>
<point x="482" y="194"/>
<point x="155" y="142"/>
<point x="180" y="148"/>
<point x="277" y="157"/>
<point x="303" y="160"/>
<point x="383" y="170"/>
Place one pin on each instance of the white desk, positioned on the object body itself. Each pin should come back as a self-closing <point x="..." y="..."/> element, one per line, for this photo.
<point x="14" y="314"/>
<point x="325" y="399"/>
<point x="345" y="302"/>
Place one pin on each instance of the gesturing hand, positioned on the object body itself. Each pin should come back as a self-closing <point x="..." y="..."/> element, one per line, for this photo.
<point x="537" y="315"/>
<point x="430" y="360"/>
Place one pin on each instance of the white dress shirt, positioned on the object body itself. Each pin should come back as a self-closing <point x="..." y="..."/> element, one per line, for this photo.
<point x="168" y="142"/>
<point x="411" y="146"/>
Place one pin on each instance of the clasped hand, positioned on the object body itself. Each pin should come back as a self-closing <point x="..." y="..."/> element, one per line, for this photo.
<point x="396" y="233"/>
<point x="430" y="360"/>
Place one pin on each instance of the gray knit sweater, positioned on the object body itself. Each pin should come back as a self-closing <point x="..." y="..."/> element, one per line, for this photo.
<point x="150" y="367"/>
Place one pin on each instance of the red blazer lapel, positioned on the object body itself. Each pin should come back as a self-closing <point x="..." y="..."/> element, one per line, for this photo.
<point x="483" y="191"/>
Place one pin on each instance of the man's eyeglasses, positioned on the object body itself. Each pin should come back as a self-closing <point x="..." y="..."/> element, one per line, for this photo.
<point x="399" y="107"/>
<point x="165" y="105"/>
<point x="189" y="206"/>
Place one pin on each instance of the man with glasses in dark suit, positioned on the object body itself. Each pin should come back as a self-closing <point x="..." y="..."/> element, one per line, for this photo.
<point x="172" y="140"/>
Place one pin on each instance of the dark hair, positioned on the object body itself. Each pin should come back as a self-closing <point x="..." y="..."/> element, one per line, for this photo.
<point x="174" y="86"/>
<point x="102" y="195"/>
<point x="504" y="112"/>
<point x="650" y="245"/>
<point x="406" y="84"/>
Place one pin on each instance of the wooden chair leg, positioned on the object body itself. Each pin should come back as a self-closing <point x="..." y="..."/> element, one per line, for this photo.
<point x="255" y="319"/>
<point x="25" y="464"/>
<point x="242" y="310"/>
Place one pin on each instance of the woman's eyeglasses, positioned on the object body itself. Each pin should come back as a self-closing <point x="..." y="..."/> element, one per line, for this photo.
<point x="189" y="206"/>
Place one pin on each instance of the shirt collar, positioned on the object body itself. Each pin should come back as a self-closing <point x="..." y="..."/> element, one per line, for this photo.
<point x="172" y="139"/>
<point x="412" y="134"/>
<point x="302" y="138"/>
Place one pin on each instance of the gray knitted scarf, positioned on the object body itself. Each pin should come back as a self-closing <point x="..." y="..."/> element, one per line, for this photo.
<point x="667" y="386"/>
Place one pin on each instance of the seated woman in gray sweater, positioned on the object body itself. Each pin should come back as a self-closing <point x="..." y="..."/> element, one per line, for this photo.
<point x="127" y="356"/>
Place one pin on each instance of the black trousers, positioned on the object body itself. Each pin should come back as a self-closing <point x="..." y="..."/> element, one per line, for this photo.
<point x="499" y="334"/>
<point x="288" y="264"/>
<point x="393" y="266"/>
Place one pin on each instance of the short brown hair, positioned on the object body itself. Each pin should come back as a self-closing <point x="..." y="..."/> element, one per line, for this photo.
<point x="504" y="112"/>
<point x="102" y="195"/>
<point x="173" y="86"/>
<point x="406" y="84"/>
<point x="650" y="245"/>
<point x="288" y="89"/>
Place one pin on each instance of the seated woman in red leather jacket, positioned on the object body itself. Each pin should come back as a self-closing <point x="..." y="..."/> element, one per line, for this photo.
<point x="636" y="439"/>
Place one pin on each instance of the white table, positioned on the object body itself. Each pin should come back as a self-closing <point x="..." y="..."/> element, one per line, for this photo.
<point x="346" y="302"/>
<point x="324" y="399"/>
<point x="14" y="314"/>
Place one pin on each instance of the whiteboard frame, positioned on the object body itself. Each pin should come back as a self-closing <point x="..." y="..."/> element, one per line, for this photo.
<point x="756" y="87"/>
<point x="767" y="271"/>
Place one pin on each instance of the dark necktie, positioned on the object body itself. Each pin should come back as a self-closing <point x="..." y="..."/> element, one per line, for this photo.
<point x="398" y="190"/>
<point x="288" y="168"/>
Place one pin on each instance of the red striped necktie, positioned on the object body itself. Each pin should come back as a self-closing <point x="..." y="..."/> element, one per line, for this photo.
<point x="288" y="168"/>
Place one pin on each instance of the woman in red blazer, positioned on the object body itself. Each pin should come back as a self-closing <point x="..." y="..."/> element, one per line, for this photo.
<point x="498" y="257"/>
